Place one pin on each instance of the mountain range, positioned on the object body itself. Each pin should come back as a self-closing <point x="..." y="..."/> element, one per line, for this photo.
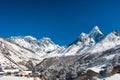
<point x="88" y="49"/>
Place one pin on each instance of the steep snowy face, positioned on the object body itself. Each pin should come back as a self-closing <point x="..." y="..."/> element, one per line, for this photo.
<point x="110" y="41"/>
<point x="34" y="45"/>
<point x="96" y="34"/>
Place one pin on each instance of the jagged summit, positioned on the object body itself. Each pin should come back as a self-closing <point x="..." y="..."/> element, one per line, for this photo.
<point x="96" y="29"/>
<point x="96" y="34"/>
<point x="85" y="41"/>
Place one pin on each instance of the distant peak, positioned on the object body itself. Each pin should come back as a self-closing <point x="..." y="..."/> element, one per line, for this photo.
<point x="46" y="38"/>
<point x="30" y="37"/>
<point x="23" y="37"/>
<point x="47" y="41"/>
<point x="95" y="30"/>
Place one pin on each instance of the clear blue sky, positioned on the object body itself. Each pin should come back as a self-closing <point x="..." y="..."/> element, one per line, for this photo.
<point x="61" y="20"/>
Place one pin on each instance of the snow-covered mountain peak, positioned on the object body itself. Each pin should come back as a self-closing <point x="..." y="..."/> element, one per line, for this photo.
<point x="96" y="34"/>
<point x="95" y="30"/>
<point x="30" y="37"/>
<point x="85" y="42"/>
<point x="46" y="40"/>
<point x="47" y="45"/>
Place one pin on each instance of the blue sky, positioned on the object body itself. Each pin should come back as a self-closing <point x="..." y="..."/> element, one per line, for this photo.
<point x="61" y="20"/>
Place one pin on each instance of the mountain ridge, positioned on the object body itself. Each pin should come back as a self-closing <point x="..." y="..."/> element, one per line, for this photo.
<point x="46" y="48"/>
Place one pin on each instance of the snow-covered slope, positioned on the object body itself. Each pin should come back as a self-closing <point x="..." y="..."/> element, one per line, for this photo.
<point x="12" y="56"/>
<point x="110" y="41"/>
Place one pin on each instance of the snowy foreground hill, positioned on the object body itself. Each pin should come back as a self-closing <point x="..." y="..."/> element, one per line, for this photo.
<point x="92" y="56"/>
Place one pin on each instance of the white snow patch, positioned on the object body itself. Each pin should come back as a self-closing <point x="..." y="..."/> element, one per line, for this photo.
<point x="109" y="57"/>
<point x="96" y="68"/>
